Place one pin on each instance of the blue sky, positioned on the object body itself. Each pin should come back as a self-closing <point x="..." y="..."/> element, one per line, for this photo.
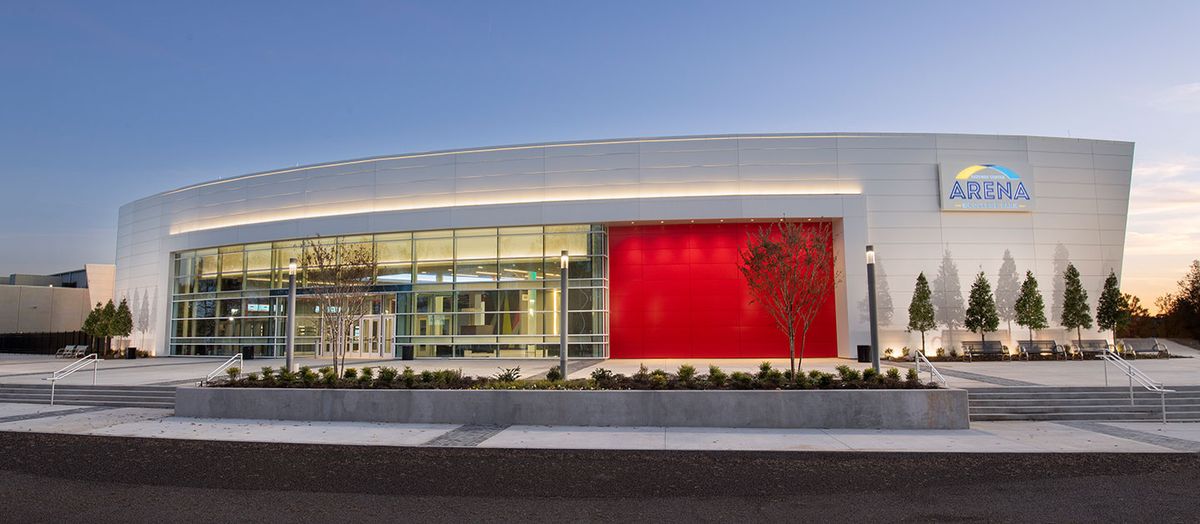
<point x="105" y="102"/>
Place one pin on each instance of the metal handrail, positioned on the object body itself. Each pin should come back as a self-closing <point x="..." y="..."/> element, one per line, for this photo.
<point x="920" y="357"/>
<point x="237" y="357"/>
<point x="1110" y="356"/>
<point x="65" y="372"/>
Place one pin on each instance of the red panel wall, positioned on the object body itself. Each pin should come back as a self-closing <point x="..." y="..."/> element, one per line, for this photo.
<point x="677" y="293"/>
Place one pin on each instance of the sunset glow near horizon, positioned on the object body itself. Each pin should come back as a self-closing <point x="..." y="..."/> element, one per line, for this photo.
<point x="114" y="102"/>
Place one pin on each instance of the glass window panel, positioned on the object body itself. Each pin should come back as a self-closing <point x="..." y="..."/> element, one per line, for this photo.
<point x="476" y="324"/>
<point x="354" y="254"/>
<point x="476" y="272"/>
<point x="522" y="246"/>
<point x="568" y="228"/>
<point x="433" y="303"/>
<point x="435" y="249"/>
<point x="582" y="267"/>
<point x="258" y="307"/>
<point x="230" y="308"/>
<point x="231" y="282"/>
<point x="207" y="265"/>
<point x="204" y="308"/>
<point x="394" y="251"/>
<point x="258" y="260"/>
<point x="183" y="310"/>
<point x="232" y="263"/>
<point x="228" y="328"/>
<point x="582" y="299"/>
<point x="258" y="280"/>
<point x="185" y="266"/>
<point x="394" y="274"/>
<point x="576" y="244"/>
<point x="472" y="248"/>
<point x="528" y="269"/>
<point x="432" y="324"/>
<point x="434" y="272"/>
<point x="518" y="323"/>
<point x="185" y="285"/>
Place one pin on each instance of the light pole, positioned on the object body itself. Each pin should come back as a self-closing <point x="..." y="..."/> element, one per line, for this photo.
<point x="871" y="307"/>
<point x="562" y="315"/>
<point x="290" y="337"/>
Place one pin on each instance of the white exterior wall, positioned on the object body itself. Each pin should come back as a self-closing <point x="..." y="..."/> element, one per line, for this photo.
<point x="883" y="188"/>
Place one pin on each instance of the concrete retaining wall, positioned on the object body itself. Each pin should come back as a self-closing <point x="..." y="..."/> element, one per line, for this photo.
<point x="883" y="409"/>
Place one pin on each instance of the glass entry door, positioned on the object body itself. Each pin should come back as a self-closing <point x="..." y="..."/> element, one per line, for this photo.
<point x="370" y="337"/>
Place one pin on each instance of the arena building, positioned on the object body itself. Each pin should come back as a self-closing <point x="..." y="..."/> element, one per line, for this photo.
<point x="466" y="242"/>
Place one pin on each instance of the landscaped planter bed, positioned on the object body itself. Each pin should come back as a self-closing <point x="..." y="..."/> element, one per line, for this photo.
<point x="841" y="408"/>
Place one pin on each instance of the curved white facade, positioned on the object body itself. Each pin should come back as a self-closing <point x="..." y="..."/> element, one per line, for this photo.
<point x="879" y="189"/>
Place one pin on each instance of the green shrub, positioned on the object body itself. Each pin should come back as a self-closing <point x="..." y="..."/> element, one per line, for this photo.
<point x="847" y="374"/>
<point x="408" y="377"/>
<point x="554" y="374"/>
<point x="763" y="369"/>
<point x="870" y="375"/>
<point x="913" y="377"/>
<point x="286" y="376"/>
<point x="940" y="352"/>
<point x="686" y="373"/>
<point x="771" y="379"/>
<point x="820" y="379"/>
<point x="233" y="372"/>
<point x="642" y="373"/>
<point x="741" y="380"/>
<point x="268" y="374"/>
<point x="508" y="374"/>
<point x="307" y="376"/>
<point x="350" y="373"/>
<point x="365" y="377"/>
<point x="252" y="377"/>
<point x="659" y="379"/>
<point x="602" y="376"/>
<point x="427" y="376"/>
<point x="328" y="377"/>
<point x="716" y="377"/>
<point x="387" y="375"/>
<point x="893" y="373"/>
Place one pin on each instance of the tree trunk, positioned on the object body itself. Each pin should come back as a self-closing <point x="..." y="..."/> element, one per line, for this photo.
<point x="792" y="354"/>
<point x="1079" y="337"/>
<point x="1030" y="338"/>
<point x="922" y="346"/>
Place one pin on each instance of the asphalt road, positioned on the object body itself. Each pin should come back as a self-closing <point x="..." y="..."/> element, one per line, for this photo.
<point x="46" y="478"/>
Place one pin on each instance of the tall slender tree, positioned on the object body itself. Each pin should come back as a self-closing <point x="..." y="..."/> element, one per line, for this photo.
<point x="1030" y="308"/>
<point x="981" y="308"/>
<point x="105" y="325"/>
<point x="1076" y="314"/>
<point x="122" y="322"/>
<point x="339" y="277"/>
<point x="790" y="268"/>
<point x="920" y="311"/>
<point x="92" y="327"/>
<point x="1112" y="313"/>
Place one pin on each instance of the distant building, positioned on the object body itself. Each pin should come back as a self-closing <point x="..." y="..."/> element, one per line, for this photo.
<point x="53" y="303"/>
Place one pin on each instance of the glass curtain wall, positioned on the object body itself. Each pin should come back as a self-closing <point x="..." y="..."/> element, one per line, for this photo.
<point x="489" y="292"/>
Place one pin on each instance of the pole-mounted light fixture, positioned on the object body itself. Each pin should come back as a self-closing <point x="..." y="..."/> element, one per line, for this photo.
<point x="871" y="306"/>
<point x="290" y="337"/>
<point x="563" y="259"/>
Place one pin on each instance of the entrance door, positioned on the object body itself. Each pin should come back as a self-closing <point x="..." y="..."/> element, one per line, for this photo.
<point x="370" y="337"/>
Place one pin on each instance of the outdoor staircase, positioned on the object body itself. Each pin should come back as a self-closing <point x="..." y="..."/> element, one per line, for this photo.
<point x="80" y="395"/>
<point x="1082" y="403"/>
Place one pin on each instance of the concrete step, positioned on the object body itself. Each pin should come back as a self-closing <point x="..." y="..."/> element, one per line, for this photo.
<point x="1023" y="402"/>
<point x="1067" y="409"/>
<point x="1116" y="387"/>
<point x="104" y="403"/>
<point x="1112" y="417"/>
<point x="89" y="395"/>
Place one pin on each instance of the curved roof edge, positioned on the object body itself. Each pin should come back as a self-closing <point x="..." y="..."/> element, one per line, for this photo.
<point x="574" y="143"/>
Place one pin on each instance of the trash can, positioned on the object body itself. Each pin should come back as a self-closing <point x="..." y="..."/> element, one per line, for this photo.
<point x="864" y="353"/>
<point x="406" y="352"/>
<point x="247" y="352"/>
<point x="130" y="353"/>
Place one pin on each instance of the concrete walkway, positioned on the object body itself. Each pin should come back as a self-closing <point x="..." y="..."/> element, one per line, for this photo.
<point x="983" y="437"/>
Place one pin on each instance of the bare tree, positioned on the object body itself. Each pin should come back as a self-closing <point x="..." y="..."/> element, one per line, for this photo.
<point x="790" y="269"/>
<point x="339" y="276"/>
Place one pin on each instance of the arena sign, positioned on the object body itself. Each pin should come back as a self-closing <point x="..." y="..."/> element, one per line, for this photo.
<point x="967" y="186"/>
